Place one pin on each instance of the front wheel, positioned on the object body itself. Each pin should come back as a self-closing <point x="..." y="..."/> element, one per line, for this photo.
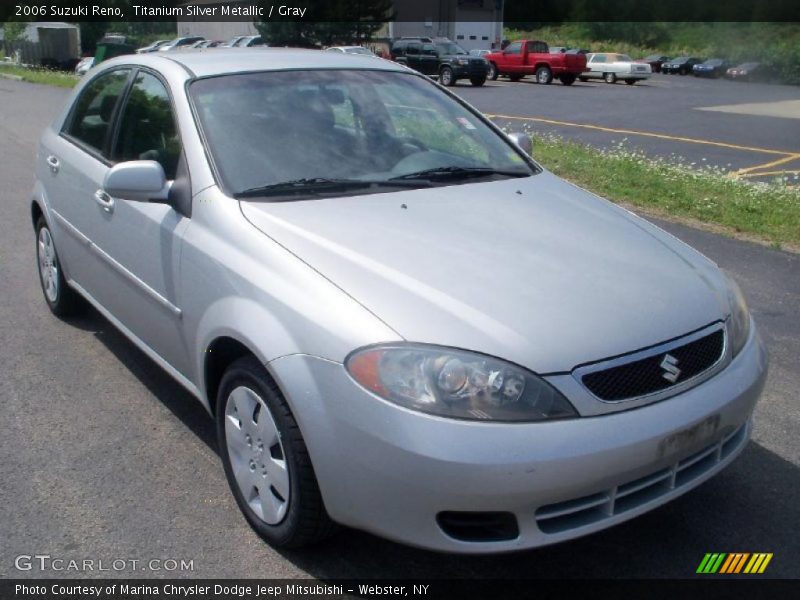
<point x="61" y="299"/>
<point x="544" y="75"/>
<point x="266" y="460"/>
<point x="610" y="77"/>
<point x="477" y="81"/>
<point x="446" y="77"/>
<point x="493" y="73"/>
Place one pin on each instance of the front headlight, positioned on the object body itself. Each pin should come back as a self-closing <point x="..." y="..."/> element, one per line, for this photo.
<point x="456" y="384"/>
<point x="740" y="315"/>
<point x="462" y="61"/>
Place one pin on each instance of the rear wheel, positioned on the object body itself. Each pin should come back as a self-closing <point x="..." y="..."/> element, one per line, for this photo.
<point x="446" y="77"/>
<point x="630" y="81"/>
<point x="477" y="81"/>
<point x="266" y="460"/>
<point x="493" y="73"/>
<point x="610" y="77"/>
<point x="61" y="299"/>
<point x="568" y="79"/>
<point x="544" y="75"/>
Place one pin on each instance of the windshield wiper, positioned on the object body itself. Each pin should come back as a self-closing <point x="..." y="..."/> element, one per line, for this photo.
<point x="454" y="172"/>
<point x="317" y="185"/>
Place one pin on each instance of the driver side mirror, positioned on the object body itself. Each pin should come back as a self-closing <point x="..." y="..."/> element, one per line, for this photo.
<point x="523" y="141"/>
<point x="140" y="180"/>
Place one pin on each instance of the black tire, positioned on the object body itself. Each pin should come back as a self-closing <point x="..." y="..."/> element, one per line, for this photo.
<point x="515" y="77"/>
<point x="630" y="81"/>
<point x="568" y="79"/>
<point x="544" y="75"/>
<point x="65" y="301"/>
<point x="477" y="81"/>
<point x="305" y="521"/>
<point x="609" y="77"/>
<point x="583" y="79"/>
<point x="493" y="73"/>
<point x="446" y="77"/>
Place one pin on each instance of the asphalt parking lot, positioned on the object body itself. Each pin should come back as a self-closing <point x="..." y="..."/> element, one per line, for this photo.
<point x="750" y="129"/>
<point x="103" y="456"/>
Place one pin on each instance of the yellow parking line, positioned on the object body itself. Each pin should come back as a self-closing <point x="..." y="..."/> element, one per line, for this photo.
<point x="773" y="163"/>
<point x="767" y="173"/>
<point x="662" y="136"/>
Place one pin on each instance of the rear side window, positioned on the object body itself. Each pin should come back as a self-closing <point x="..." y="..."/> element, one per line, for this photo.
<point x="147" y="129"/>
<point x="413" y="48"/>
<point x="94" y="109"/>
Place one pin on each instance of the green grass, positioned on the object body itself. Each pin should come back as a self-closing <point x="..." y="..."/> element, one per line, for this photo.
<point x="45" y="76"/>
<point x="767" y="211"/>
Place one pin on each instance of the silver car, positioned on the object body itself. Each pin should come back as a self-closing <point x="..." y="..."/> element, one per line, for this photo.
<point x="611" y="66"/>
<point x="400" y="322"/>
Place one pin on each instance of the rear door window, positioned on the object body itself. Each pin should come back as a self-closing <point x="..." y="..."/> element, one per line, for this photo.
<point x="93" y="112"/>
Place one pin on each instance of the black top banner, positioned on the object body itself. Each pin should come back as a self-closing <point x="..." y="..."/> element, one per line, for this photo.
<point x="507" y="11"/>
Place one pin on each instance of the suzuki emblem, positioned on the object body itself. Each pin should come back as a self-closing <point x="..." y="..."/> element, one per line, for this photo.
<point x="671" y="370"/>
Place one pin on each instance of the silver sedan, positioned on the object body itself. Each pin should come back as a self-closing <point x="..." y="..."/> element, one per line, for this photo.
<point x="611" y="66"/>
<point x="400" y="321"/>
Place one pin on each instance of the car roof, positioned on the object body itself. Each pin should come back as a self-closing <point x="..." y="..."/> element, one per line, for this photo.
<point x="203" y="62"/>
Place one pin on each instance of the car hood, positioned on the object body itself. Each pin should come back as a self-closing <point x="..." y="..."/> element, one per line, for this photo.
<point x="534" y="270"/>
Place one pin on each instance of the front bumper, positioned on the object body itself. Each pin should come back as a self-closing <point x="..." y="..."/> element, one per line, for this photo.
<point x="391" y="471"/>
<point x="469" y="71"/>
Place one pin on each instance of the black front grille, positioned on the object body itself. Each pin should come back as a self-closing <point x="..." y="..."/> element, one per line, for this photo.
<point x="647" y="376"/>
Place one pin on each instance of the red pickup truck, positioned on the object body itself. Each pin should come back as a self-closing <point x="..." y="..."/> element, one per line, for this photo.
<point x="525" y="57"/>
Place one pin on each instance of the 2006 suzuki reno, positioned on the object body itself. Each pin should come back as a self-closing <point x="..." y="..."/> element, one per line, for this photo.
<point x="399" y="320"/>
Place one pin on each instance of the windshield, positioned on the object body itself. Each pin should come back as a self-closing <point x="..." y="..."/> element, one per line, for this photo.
<point x="315" y="127"/>
<point x="358" y="50"/>
<point x="450" y="48"/>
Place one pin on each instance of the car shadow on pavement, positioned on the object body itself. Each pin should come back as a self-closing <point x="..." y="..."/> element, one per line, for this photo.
<point x="169" y="392"/>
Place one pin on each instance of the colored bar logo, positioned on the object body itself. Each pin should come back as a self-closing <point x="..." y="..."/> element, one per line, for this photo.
<point x="734" y="563"/>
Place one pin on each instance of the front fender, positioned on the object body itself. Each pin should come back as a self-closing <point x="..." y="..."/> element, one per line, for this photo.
<point x="247" y="322"/>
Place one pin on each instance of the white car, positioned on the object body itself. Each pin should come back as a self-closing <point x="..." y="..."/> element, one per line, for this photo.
<point x="82" y="67"/>
<point x="611" y="66"/>
<point x="351" y="50"/>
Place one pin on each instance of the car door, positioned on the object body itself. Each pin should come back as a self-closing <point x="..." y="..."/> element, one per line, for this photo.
<point x="429" y="60"/>
<point x="140" y="242"/>
<point x="413" y="56"/>
<point x="75" y="160"/>
<point x="512" y="57"/>
<point x="597" y="65"/>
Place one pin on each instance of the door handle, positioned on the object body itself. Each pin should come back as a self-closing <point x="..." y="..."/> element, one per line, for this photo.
<point x="104" y="200"/>
<point x="53" y="163"/>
